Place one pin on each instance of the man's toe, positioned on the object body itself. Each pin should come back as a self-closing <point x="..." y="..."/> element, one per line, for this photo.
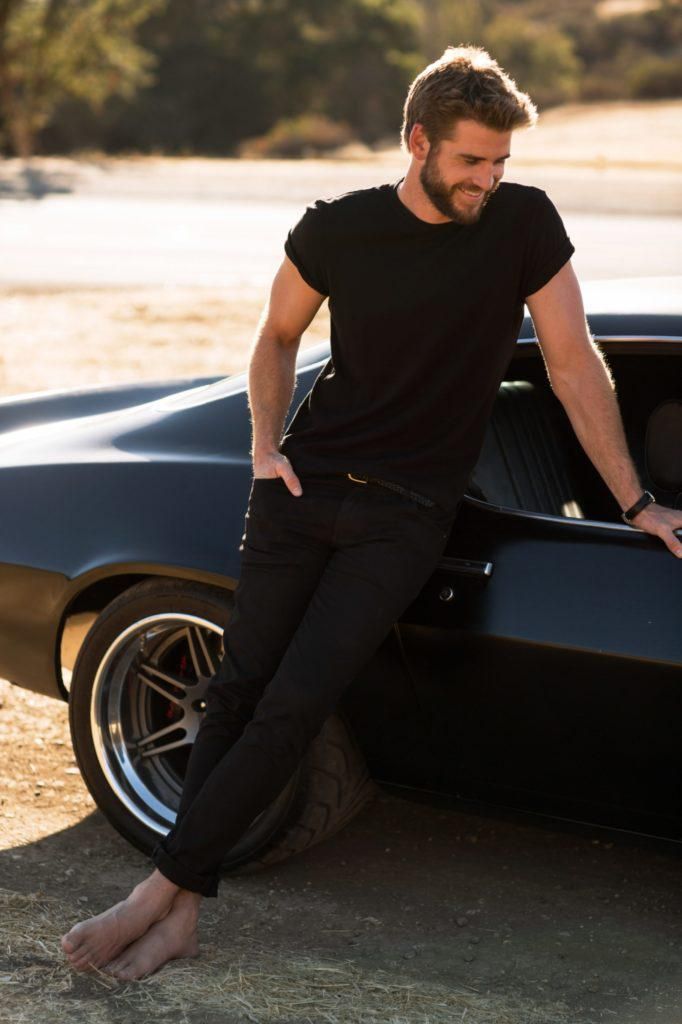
<point x="81" y="965"/>
<point x="124" y="972"/>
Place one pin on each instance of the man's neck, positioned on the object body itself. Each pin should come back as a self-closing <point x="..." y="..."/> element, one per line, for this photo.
<point x="412" y="195"/>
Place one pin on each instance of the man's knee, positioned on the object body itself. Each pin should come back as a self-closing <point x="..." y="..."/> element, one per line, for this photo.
<point x="229" y="696"/>
<point x="285" y="725"/>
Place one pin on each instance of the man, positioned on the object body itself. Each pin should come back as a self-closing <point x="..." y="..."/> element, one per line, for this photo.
<point x="351" y="510"/>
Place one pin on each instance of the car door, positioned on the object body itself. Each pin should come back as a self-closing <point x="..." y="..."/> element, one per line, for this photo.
<point x="546" y="653"/>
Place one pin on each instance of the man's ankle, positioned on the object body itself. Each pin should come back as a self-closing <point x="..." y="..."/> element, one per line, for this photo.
<point x="188" y="899"/>
<point x="160" y="884"/>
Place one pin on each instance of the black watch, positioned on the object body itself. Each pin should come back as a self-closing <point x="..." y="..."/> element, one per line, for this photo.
<point x="630" y="513"/>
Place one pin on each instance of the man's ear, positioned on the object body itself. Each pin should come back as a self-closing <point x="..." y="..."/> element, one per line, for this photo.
<point x="419" y="144"/>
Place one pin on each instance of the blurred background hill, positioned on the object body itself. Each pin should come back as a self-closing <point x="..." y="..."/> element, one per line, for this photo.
<point x="297" y="77"/>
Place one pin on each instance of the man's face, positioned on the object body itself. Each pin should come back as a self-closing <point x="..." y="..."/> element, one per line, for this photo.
<point x="462" y="172"/>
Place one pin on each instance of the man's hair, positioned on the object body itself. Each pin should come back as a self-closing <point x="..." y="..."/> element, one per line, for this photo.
<point x="465" y="84"/>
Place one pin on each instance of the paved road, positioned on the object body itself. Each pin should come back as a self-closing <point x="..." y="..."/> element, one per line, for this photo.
<point x="121" y="241"/>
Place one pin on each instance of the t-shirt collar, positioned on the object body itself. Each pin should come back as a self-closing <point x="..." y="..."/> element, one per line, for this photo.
<point x="412" y="218"/>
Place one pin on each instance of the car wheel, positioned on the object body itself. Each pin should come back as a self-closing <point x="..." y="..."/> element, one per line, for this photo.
<point x="136" y="700"/>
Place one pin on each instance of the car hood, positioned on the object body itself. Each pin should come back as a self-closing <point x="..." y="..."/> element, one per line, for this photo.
<point x="208" y="420"/>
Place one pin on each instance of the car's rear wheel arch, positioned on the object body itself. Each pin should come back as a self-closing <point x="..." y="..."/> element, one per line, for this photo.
<point x="92" y="594"/>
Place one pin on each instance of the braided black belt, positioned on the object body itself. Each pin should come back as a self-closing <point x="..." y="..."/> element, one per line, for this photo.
<point x="420" y="498"/>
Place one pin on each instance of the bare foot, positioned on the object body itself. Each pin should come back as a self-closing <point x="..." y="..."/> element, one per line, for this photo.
<point x="169" y="939"/>
<point x="98" y="940"/>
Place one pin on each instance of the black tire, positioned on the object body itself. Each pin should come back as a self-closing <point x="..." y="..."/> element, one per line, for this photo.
<point x="144" y="664"/>
<point x="333" y="786"/>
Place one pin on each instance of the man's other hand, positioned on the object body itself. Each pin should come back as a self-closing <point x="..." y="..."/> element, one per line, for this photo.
<point x="661" y="521"/>
<point x="274" y="465"/>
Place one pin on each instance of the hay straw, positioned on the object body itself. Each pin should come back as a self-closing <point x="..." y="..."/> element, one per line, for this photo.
<point x="249" y="982"/>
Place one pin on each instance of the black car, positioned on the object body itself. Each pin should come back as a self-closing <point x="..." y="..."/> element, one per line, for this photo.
<point x="540" y="668"/>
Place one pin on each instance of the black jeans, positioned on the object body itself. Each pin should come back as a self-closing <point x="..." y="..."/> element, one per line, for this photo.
<point x="324" y="577"/>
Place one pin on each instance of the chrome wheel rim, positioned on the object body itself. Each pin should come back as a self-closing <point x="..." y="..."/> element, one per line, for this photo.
<point x="148" y="698"/>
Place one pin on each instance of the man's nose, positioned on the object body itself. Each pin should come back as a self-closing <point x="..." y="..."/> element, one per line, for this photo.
<point x="484" y="178"/>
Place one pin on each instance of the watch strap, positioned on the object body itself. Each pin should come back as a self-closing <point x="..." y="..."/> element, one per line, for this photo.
<point x="630" y="513"/>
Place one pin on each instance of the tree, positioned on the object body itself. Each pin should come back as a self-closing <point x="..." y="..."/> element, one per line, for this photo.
<point x="539" y="56"/>
<point x="228" y="70"/>
<point x="444" y="23"/>
<point x="361" y="56"/>
<point x="54" y="49"/>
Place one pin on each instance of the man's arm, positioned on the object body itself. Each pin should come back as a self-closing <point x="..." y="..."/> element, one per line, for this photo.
<point x="272" y="369"/>
<point x="582" y="382"/>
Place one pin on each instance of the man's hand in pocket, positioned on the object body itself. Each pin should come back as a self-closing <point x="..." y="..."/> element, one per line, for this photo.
<point x="273" y="465"/>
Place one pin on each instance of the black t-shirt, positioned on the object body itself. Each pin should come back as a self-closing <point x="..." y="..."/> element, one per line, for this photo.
<point x="424" y="320"/>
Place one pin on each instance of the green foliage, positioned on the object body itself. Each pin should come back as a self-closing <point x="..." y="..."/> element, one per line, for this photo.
<point x="228" y="70"/>
<point x="184" y="76"/>
<point x="613" y="49"/>
<point x="540" y="58"/>
<point x="50" y="49"/>
<point x="656" y="77"/>
<point x="306" y="135"/>
<point x="444" y="23"/>
<point x="566" y="50"/>
<point x="367" y="53"/>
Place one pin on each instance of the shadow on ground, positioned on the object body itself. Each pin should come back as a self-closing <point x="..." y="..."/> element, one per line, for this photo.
<point x="411" y="914"/>
<point x="34" y="183"/>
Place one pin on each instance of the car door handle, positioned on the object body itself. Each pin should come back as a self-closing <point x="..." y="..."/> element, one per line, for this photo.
<point x="466" y="567"/>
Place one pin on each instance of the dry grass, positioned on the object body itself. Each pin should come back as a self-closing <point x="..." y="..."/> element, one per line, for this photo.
<point x="251" y="983"/>
<point x="617" y="8"/>
<point x="91" y="336"/>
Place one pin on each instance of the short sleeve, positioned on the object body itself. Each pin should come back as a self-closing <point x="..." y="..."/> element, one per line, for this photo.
<point x="305" y="247"/>
<point x="548" y="246"/>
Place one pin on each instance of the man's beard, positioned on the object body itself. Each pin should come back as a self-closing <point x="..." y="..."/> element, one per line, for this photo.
<point x="442" y="196"/>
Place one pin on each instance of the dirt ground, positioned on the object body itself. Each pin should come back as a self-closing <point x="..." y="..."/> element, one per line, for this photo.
<point x="80" y="337"/>
<point x="413" y="914"/>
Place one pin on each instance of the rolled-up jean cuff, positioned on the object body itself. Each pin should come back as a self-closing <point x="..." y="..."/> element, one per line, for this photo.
<point x="182" y="876"/>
